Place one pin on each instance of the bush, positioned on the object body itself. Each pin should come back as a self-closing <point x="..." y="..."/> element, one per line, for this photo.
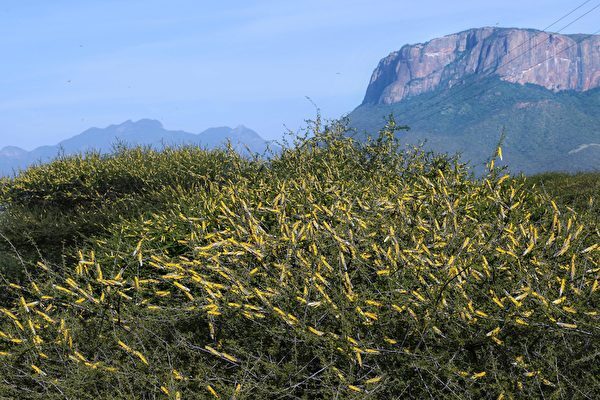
<point x="336" y="269"/>
<point x="61" y="204"/>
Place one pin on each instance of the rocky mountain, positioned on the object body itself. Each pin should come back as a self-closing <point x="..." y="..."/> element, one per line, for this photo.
<point x="145" y="132"/>
<point x="556" y="62"/>
<point x="457" y="93"/>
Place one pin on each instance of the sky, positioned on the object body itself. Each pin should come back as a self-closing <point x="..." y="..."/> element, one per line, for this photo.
<point x="68" y="65"/>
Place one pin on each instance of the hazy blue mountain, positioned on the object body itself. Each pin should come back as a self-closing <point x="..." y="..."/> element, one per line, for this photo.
<point x="12" y="152"/>
<point x="145" y="132"/>
<point x="459" y="92"/>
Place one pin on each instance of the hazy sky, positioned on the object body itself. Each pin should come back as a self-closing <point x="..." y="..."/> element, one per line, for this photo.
<point x="68" y="65"/>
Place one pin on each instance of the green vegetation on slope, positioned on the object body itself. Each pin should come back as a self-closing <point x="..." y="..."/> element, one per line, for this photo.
<point x="543" y="129"/>
<point x="336" y="269"/>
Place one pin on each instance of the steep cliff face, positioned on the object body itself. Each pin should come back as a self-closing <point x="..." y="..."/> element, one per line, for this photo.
<point x="556" y="62"/>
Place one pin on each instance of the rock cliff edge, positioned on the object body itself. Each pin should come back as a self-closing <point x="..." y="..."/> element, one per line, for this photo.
<point x="554" y="61"/>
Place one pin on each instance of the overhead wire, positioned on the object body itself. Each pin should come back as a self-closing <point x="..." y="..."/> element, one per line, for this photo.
<point x="577" y="42"/>
<point x="488" y="71"/>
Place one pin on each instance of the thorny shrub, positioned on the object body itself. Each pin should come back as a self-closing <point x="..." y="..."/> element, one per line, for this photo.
<point x="335" y="269"/>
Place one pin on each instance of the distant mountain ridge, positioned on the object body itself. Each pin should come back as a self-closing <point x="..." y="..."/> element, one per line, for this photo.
<point x="145" y="132"/>
<point x="459" y="92"/>
<point x="554" y="61"/>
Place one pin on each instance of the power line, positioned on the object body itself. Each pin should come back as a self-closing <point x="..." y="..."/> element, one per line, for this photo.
<point x="486" y="74"/>
<point x="566" y="15"/>
<point x="556" y="22"/>
<point x="487" y="71"/>
<point x="500" y="82"/>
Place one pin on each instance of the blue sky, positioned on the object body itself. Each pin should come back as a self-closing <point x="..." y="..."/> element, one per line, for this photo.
<point x="69" y="65"/>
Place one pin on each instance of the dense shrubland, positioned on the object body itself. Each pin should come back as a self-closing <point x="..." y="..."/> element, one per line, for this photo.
<point x="335" y="269"/>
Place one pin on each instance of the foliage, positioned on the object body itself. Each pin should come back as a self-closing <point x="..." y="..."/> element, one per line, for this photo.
<point x="580" y="191"/>
<point x="73" y="198"/>
<point x="336" y="269"/>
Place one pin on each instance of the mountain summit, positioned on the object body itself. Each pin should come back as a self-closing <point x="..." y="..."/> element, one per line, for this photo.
<point x="145" y="132"/>
<point x="459" y="92"/>
<point x="556" y="62"/>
